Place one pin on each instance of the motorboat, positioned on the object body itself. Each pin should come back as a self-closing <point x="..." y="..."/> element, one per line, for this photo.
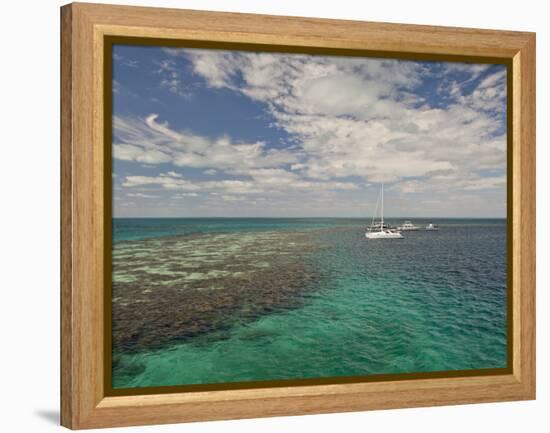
<point x="432" y="227"/>
<point x="408" y="226"/>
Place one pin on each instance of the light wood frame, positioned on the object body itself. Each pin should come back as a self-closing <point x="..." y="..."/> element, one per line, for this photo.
<point x="84" y="403"/>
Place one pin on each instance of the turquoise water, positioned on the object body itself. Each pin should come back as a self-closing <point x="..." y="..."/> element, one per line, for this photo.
<point x="303" y="298"/>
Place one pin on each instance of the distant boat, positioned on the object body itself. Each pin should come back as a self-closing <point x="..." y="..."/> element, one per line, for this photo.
<point x="381" y="230"/>
<point x="432" y="227"/>
<point x="408" y="226"/>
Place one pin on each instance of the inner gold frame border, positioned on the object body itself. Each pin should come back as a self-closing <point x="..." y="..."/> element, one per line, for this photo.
<point x="87" y="34"/>
<point x="108" y="43"/>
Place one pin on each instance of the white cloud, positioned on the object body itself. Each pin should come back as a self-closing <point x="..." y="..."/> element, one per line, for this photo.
<point x="347" y="117"/>
<point x="226" y="197"/>
<point x="170" y="79"/>
<point x="255" y="181"/>
<point x="441" y="183"/>
<point x="167" y="182"/>
<point x="217" y="67"/>
<point x="129" y="152"/>
<point x="492" y="79"/>
<point x="171" y="174"/>
<point x="354" y="116"/>
<point x="123" y="61"/>
<point x="153" y="142"/>
<point x="141" y="195"/>
<point x="185" y="194"/>
<point x="474" y="70"/>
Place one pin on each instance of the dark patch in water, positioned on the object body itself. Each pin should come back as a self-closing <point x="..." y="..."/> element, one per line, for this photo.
<point x="173" y="289"/>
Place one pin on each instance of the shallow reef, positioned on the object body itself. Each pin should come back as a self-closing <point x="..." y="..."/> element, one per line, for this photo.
<point x="174" y="288"/>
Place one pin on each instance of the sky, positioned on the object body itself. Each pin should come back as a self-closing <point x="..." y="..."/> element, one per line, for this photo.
<point x="213" y="133"/>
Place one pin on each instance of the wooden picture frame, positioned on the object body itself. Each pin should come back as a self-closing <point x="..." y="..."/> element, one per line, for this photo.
<point x="85" y="214"/>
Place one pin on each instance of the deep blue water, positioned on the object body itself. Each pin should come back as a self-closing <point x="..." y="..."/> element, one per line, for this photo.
<point x="142" y="228"/>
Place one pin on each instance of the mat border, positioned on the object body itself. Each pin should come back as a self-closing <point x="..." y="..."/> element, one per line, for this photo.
<point x="88" y="33"/>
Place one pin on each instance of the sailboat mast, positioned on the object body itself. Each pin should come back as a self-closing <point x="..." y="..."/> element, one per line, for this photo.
<point x="382" y="211"/>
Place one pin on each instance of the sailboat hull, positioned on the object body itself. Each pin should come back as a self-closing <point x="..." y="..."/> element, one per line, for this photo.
<point x="383" y="235"/>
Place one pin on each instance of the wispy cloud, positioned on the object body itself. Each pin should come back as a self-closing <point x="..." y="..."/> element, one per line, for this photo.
<point x="170" y="79"/>
<point x="262" y="181"/>
<point x="123" y="61"/>
<point x="147" y="140"/>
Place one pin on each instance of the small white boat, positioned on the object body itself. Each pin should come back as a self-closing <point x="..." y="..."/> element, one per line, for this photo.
<point x="432" y="227"/>
<point x="408" y="226"/>
<point x="380" y="230"/>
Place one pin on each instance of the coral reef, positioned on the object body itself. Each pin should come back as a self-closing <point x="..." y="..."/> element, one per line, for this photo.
<point x="173" y="288"/>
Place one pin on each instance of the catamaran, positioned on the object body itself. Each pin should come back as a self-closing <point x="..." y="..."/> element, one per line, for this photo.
<point x="380" y="230"/>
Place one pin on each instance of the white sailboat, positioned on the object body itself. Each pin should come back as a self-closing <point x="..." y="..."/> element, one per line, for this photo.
<point x="380" y="231"/>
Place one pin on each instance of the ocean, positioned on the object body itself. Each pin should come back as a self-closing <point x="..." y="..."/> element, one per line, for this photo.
<point x="216" y="300"/>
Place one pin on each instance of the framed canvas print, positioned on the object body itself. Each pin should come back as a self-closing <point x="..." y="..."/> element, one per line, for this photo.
<point x="270" y="216"/>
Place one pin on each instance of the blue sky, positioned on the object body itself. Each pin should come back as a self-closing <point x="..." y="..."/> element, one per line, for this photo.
<point x="229" y="133"/>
